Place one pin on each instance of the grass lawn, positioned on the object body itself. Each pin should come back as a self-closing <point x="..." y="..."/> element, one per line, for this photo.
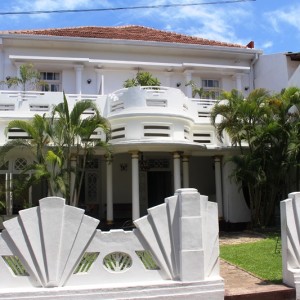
<point x="258" y="258"/>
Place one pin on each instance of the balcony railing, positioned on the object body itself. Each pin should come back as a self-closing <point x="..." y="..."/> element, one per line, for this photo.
<point x="164" y="100"/>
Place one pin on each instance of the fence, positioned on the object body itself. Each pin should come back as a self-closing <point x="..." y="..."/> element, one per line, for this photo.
<point x="55" y="250"/>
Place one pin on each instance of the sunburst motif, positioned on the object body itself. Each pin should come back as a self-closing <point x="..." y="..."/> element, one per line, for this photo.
<point x="50" y="239"/>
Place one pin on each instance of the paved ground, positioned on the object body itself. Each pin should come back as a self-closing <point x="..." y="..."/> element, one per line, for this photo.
<point x="242" y="285"/>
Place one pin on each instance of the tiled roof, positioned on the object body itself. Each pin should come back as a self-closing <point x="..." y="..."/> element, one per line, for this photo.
<point x="130" y="32"/>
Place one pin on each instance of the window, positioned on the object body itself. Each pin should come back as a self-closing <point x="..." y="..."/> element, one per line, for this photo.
<point x="53" y="81"/>
<point x="211" y="89"/>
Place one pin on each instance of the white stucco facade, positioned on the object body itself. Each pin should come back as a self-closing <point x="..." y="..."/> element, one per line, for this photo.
<point x="162" y="138"/>
<point x="277" y="71"/>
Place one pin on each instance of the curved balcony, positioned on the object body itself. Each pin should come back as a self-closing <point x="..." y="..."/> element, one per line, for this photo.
<point x="143" y="100"/>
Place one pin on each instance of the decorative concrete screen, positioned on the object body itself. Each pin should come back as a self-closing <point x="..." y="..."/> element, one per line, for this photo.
<point x="55" y="251"/>
<point x="290" y="236"/>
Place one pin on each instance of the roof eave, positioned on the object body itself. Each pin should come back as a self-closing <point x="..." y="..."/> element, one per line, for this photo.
<point x="215" y="48"/>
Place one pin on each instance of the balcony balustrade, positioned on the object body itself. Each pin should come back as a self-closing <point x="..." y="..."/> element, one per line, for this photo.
<point x="140" y="99"/>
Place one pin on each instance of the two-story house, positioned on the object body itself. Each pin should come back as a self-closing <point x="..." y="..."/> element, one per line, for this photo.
<point x="161" y="139"/>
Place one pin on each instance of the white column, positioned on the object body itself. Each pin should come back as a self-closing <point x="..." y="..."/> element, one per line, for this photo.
<point x="238" y="81"/>
<point x="135" y="185"/>
<point x="2" y="75"/>
<point x="168" y="78"/>
<point x="218" y="181"/>
<point x="100" y="81"/>
<point x="78" y="70"/>
<point x="8" y="196"/>
<point x="185" y="170"/>
<point x="18" y="87"/>
<point x="188" y="88"/>
<point x="109" y="192"/>
<point x="177" y="177"/>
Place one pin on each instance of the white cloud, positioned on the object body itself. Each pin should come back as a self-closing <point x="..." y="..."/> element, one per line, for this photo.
<point x="217" y="22"/>
<point x="288" y="15"/>
<point x="267" y="45"/>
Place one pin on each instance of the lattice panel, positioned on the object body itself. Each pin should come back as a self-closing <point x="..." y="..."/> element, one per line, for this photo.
<point x="92" y="186"/>
<point x="20" y="164"/>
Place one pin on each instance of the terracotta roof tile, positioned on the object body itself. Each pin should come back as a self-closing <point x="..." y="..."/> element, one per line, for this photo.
<point x="130" y="32"/>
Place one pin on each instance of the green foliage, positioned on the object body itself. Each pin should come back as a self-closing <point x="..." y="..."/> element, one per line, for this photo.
<point x="265" y="264"/>
<point x="142" y="79"/>
<point x="267" y="135"/>
<point x="29" y="77"/>
<point x="196" y="91"/>
<point x="54" y="142"/>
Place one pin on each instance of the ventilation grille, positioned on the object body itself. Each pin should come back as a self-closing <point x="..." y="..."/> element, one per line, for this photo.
<point x="118" y="133"/>
<point x="203" y="114"/>
<point x="157" y="102"/>
<point x="186" y="133"/>
<point x="156" y="131"/>
<point x="117" y="105"/>
<point x="36" y="107"/>
<point x="89" y="112"/>
<point x="98" y="134"/>
<point x="16" y="133"/>
<point x="7" y="107"/>
<point x="202" y="138"/>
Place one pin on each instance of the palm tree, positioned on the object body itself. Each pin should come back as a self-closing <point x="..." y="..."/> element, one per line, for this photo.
<point x="35" y="144"/>
<point x="29" y="76"/>
<point x="71" y="133"/>
<point x="54" y="142"/>
<point x="263" y="123"/>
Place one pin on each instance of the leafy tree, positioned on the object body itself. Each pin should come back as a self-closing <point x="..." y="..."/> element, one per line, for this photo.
<point x="261" y="126"/>
<point x="142" y="79"/>
<point x="72" y="136"/>
<point x="54" y="142"/>
<point x="29" y="76"/>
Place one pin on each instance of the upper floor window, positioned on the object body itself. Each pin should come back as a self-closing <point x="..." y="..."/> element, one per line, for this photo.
<point x="53" y="80"/>
<point x="211" y="88"/>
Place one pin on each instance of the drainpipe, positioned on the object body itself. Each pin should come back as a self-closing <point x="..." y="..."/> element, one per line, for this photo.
<point x="252" y="74"/>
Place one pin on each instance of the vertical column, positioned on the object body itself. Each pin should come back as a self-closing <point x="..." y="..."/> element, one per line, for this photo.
<point x="192" y="265"/>
<point x="218" y="181"/>
<point x="8" y="196"/>
<point x="168" y="78"/>
<point x="2" y="68"/>
<point x="185" y="169"/>
<point x="188" y="88"/>
<point x="135" y="185"/>
<point x="100" y="81"/>
<point x="177" y="177"/>
<point x="78" y="70"/>
<point x="109" y="191"/>
<point x="238" y="82"/>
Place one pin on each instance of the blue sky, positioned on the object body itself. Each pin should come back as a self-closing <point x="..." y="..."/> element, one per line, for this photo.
<point x="274" y="25"/>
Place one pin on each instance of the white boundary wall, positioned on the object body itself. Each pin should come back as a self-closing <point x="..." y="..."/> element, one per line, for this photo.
<point x="172" y="253"/>
<point x="290" y="236"/>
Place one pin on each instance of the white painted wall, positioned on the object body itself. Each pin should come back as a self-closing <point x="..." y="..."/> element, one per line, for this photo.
<point x="235" y="207"/>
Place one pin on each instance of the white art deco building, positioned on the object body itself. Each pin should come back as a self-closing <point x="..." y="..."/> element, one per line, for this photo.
<point x="162" y="139"/>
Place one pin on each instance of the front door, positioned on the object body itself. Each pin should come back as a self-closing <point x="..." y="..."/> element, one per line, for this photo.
<point x="159" y="187"/>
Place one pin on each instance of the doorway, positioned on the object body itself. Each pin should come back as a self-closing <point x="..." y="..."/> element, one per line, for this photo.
<point x="159" y="187"/>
